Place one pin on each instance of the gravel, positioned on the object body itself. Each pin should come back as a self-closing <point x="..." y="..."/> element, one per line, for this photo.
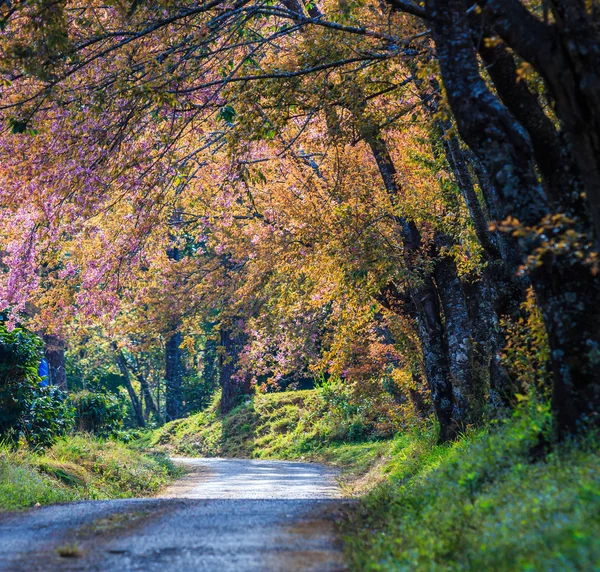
<point x="224" y="515"/>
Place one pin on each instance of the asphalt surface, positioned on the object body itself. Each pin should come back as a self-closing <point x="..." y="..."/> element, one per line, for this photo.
<point x="225" y="515"/>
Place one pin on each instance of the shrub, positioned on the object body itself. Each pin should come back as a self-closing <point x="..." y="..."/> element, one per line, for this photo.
<point x="50" y="416"/>
<point x="20" y="354"/>
<point x="97" y="413"/>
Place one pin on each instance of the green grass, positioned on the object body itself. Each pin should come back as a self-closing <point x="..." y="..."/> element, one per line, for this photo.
<point x="77" y="468"/>
<point x="274" y="425"/>
<point x="494" y="500"/>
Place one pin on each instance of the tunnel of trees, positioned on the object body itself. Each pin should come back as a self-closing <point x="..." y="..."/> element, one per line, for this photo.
<point x="254" y="194"/>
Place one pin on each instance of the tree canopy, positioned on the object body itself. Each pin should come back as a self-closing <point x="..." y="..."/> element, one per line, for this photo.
<point x="398" y="191"/>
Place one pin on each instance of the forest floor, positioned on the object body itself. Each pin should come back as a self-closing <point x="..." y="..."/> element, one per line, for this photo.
<point x="224" y="515"/>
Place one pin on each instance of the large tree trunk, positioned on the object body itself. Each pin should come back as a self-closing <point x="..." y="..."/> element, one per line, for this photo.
<point x="55" y="355"/>
<point x="564" y="286"/>
<point x="552" y="155"/>
<point x="567" y="55"/>
<point x="135" y="402"/>
<point x="424" y="299"/>
<point x="493" y="291"/>
<point x="466" y="385"/>
<point x="173" y="358"/>
<point x="233" y="383"/>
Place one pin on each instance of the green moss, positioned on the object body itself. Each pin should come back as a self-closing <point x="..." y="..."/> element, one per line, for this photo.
<point x="77" y="468"/>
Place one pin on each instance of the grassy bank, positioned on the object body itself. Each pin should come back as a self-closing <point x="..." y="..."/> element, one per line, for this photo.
<point x="77" y="468"/>
<point x="497" y="499"/>
<point x="292" y="425"/>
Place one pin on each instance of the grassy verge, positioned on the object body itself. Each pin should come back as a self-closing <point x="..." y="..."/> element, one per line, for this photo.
<point x="77" y="468"/>
<point x="496" y="499"/>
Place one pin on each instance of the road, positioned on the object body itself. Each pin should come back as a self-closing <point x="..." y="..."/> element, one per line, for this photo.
<point x="225" y="515"/>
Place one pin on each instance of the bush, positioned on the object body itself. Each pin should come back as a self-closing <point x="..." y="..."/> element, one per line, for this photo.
<point x="50" y="416"/>
<point x="79" y="467"/>
<point x="97" y="413"/>
<point x="20" y="354"/>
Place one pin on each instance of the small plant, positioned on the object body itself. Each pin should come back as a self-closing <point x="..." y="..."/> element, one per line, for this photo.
<point x="49" y="416"/>
<point x="69" y="551"/>
<point x="97" y="413"/>
<point x="20" y="353"/>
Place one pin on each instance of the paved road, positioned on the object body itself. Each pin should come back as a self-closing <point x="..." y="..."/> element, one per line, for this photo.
<point x="226" y="515"/>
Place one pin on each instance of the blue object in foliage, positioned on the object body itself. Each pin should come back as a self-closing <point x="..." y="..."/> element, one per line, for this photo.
<point x="44" y="373"/>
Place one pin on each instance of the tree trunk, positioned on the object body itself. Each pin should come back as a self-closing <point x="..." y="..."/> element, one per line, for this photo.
<point x="467" y="397"/>
<point x="173" y="377"/>
<point x="424" y="299"/>
<point x="233" y="384"/>
<point x="493" y="290"/>
<point x="135" y="402"/>
<point x="564" y="286"/>
<point x="552" y="155"/>
<point x="567" y="55"/>
<point x="55" y="355"/>
<point x="173" y="362"/>
<point x="150" y="406"/>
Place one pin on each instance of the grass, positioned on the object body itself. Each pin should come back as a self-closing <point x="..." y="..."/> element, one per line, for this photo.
<point x="77" y="468"/>
<point x="274" y="425"/>
<point x="494" y="500"/>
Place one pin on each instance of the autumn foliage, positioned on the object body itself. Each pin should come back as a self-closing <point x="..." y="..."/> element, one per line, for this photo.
<point x="401" y="195"/>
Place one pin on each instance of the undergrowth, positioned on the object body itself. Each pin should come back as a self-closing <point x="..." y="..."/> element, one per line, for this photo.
<point x="76" y="468"/>
<point x="494" y="500"/>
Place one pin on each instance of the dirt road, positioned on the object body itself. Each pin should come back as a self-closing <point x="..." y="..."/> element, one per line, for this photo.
<point x="225" y="516"/>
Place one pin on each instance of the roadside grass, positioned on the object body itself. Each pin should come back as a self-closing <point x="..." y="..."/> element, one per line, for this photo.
<point x="494" y="500"/>
<point x="77" y="468"/>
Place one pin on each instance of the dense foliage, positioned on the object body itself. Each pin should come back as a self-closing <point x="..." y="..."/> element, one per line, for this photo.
<point x="38" y="414"/>
<point x="266" y="193"/>
<point x="20" y="352"/>
<point x="97" y="413"/>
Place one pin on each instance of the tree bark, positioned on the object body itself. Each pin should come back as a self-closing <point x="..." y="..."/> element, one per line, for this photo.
<point x="556" y="164"/>
<point x="173" y="377"/>
<point x="567" y="55"/>
<point x="564" y="286"/>
<point x="150" y="406"/>
<point x="467" y="397"/>
<point x="55" y="355"/>
<point x="233" y="384"/>
<point x="424" y="299"/>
